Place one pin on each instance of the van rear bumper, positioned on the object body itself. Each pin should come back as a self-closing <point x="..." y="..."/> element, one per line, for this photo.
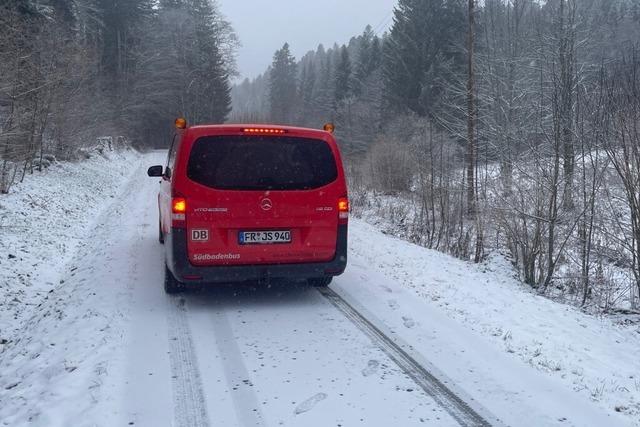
<point x="177" y="259"/>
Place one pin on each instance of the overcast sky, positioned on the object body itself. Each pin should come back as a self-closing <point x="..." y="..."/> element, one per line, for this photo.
<point x="265" y="25"/>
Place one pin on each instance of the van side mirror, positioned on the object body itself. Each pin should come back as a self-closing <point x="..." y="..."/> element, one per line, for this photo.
<point x="155" y="171"/>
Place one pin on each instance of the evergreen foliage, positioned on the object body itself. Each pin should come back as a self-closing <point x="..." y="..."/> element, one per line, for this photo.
<point x="283" y="85"/>
<point x="426" y="37"/>
<point x="75" y="70"/>
<point x="343" y="77"/>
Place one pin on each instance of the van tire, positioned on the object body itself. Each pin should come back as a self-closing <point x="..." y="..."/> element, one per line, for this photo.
<point x="320" y="282"/>
<point x="160" y="234"/>
<point x="171" y="284"/>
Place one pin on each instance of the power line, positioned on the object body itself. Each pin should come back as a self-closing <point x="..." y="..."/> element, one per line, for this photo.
<point x="383" y="23"/>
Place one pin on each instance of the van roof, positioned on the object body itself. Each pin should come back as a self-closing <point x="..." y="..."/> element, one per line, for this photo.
<point x="238" y="128"/>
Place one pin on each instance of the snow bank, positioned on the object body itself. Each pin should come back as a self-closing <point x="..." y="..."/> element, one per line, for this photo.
<point x="595" y="357"/>
<point x="65" y="329"/>
<point x="42" y="222"/>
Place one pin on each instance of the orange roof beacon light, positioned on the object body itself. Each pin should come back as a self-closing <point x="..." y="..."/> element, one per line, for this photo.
<point x="329" y="127"/>
<point x="181" y="123"/>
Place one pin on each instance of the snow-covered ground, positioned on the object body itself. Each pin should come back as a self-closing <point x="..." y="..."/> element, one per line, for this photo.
<point x="44" y="220"/>
<point x="93" y="340"/>
<point x="481" y="320"/>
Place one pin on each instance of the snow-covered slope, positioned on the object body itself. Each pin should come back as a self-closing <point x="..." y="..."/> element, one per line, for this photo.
<point x="42" y="223"/>
<point x="476" y="321"/>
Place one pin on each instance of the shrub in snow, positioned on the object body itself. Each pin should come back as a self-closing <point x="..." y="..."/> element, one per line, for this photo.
<point x="43" y="164"/>
<point x="50" y="158"/>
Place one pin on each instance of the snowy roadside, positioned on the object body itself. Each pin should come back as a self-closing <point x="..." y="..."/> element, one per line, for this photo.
<point x="409" y="287"/>
<point x="66" y="346"/>
<point x="42" y="223"/>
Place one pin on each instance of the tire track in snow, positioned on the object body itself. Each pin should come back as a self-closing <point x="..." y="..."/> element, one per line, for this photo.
<point x="460" y="410"/>
<point x="188" y="394"/>
<point x="244" y="398"/>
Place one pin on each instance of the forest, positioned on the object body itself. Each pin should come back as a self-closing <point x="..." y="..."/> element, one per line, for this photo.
<point x="73" y="71"/>
<point x="500" y="127"/>
<point x="507" y="127"/>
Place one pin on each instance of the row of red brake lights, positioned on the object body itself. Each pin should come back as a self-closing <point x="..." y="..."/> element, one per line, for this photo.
<point x="179" y="210"/>
<point x="265" y="130"/>
<point x="329" y="127"/>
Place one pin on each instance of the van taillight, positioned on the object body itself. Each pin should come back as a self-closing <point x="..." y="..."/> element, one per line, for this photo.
<point x="343" y="210"/>
<point x="178" y="211"/>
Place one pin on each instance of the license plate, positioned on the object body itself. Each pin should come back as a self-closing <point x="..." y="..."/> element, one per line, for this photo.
<point x="264" y="237"/>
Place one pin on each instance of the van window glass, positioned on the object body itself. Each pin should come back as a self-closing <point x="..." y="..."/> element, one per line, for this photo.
<point x="261" y="163"/>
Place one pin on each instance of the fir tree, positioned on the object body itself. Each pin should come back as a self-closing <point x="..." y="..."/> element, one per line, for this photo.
<point x="421" y="43"/>
<point x="343" y="85"/>
<point x="307" y="86"/>
<point x="369" y="57"/>
<point x="283" y="85"/>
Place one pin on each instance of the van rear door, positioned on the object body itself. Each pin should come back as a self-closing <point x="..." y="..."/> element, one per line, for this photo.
<point x="262" y="199"/>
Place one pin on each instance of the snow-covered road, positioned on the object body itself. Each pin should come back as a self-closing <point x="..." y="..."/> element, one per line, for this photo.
<point x="248" y="356"/>
<point x="108" y="347"/>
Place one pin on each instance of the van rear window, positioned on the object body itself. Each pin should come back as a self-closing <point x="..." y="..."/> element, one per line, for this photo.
<point x="261" y="163"/>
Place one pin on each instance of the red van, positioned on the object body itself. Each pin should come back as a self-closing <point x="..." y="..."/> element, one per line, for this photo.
<point x="245" y="203"/>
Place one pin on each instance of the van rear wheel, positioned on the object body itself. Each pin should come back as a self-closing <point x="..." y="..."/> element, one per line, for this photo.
<point x="171" y="284"/>
<point x="320" y="282"/>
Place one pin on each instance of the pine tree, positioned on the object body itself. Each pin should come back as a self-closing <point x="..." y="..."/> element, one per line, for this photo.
<point x="369" y="58"/>
<point x="307" y="86"/>
<point x="184" y="72"/>
<point x="324" y="89"/>
<point x="343" y="84"/>
<point x="213" y="89"/>
<point x="375" y="60"/>
<point x="421" y="44"/>
<point x="283" y="85"/>
<point x="120" y="24"/>
<point x="219" y="89"/>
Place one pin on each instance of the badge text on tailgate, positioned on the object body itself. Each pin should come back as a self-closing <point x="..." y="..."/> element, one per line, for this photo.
<point x="199" y="235"/>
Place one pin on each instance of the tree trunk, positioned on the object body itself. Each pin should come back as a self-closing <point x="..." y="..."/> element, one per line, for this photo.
<point x="566" y="58"/>
<point x="471" y="115"/>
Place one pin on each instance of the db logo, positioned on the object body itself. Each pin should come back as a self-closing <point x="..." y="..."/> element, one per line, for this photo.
<point x="200" y="235"/>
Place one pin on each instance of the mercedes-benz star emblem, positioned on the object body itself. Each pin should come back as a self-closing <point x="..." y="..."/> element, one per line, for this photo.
<point x="266" y="204"/>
